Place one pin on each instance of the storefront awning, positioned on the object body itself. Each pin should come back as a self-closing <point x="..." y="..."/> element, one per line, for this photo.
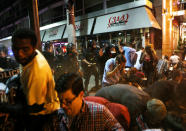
<point x="42" y="33"/>
<point x="126" y="20"/>
<point x="82" y="28"/>
<point x="54" y="33"/>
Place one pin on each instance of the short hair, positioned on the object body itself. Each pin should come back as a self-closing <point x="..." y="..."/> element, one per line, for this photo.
<point x="70" y="46"/>
<point x="120" y="58"/>
<point x="166" y="57"/>
<point x="3" y="49"/>
<point x="70" y="81"/>
<point x="156" y="109"/>
<point x="25" y="33"/>
<point x="47" y="46"/>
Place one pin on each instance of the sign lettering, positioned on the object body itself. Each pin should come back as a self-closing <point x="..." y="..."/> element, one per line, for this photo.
<point x="118" y="20"/>
<point x="8" y="74"/>
<point x="53" y="32"/>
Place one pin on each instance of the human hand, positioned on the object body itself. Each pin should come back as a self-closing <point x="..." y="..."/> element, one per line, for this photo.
<point x="101" y="52"/>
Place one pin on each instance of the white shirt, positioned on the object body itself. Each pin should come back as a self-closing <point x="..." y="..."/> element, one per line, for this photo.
<point x="174" y="59"/>
<point x="138" y="66"/>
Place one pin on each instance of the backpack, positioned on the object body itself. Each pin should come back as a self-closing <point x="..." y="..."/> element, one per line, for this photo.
<point x="133" y="57"/>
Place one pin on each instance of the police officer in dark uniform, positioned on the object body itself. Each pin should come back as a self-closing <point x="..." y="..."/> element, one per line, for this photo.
<point x="8" y="66"/>
<point x="89" y="64"/>
<point x="49" y="55"/>
<point x="70" y="62"/>
<point x="5" y="61"/>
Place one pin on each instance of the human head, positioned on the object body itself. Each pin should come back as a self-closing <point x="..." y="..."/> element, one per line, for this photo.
<point x="24" y="43"/>
<point x="156" y="111"/>
<point x="71" y="48"/>
<point x="3" y="51"/>
<point x="148" y="49"/>
<point x="112" y="48"/>
<point x="70" y="92"/>
<point x="48" y="47"/>
<point x="166" y="57"/>
<point x="120" y="59"/>
<point x="94" y="45"/>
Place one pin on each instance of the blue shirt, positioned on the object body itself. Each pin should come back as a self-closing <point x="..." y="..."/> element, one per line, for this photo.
<point x="127" y="51"/>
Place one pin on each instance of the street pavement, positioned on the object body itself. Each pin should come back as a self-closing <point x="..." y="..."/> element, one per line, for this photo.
<point x="92" y="90"/>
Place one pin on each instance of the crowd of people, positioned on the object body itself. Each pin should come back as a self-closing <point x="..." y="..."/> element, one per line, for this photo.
<point x="134" y="90"/>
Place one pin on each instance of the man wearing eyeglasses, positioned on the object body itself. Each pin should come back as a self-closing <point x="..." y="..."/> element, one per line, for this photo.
<point x="83" y="115"/>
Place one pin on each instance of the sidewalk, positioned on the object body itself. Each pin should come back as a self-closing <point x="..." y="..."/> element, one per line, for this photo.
<point x="91" y="85"/>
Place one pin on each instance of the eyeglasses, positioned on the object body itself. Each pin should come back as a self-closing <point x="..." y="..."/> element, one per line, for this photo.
<point x="67" y="102"/>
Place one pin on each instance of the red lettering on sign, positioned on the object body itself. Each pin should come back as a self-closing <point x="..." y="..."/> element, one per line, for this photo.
<point x="117" y="20"/>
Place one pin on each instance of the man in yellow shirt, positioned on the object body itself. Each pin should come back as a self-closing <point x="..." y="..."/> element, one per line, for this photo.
<point x="36" y="79"/>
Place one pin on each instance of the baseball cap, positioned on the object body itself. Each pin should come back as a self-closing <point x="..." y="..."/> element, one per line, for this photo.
<point x="156" y="109"/>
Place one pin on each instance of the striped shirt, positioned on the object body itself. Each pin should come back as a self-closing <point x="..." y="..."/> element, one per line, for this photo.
<point x="109" y="66"/>
<point x="94" y="117"/>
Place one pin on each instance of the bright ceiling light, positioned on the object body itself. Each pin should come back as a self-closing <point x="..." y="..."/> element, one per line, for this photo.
<point x="6" y="38"/>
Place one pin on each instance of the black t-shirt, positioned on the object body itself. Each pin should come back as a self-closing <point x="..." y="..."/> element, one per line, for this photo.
<point x="133" y="98"/>
<point x="164" y="90"/>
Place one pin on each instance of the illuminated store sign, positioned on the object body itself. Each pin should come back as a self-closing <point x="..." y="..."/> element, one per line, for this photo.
<point x="118" y="20"/>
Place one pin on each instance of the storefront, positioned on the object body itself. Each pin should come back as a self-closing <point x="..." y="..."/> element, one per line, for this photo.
<point x="54" y="33"/>
<point x="42" y="34"/>
<point x="83" y="31"/>
<point x="129" y="25"/>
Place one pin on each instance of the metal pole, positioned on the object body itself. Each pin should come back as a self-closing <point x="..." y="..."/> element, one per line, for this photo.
<point x="34" y="20"/>
<point x="71" y="22"/>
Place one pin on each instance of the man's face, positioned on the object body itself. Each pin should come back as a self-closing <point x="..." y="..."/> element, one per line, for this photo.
<point x="23" y="50"/>
<point x="74" y="50"/>
<point x="71" y="103"/>
<point x="113" y="50"/>
<point x="121" y="64"/>
<point x="94" y="44"/>
<point x="50" y="49"/>
<point x="2" y="54"/>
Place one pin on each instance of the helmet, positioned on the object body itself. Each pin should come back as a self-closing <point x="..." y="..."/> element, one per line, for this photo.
<point x="70" y="47"/>
<point x="47" y="46"/>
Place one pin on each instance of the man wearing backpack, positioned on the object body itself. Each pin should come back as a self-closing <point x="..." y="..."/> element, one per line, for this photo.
<point x="129" y="53"/>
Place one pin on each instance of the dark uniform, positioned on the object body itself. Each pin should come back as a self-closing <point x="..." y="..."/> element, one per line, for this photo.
<point x="68" y="63"/>
<point x="51" y="59"/>
<point x="71" y="63"/>
<point x="90" y="55"/>
<point x="8" y="63"/>
<point x="10" y="68"/>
